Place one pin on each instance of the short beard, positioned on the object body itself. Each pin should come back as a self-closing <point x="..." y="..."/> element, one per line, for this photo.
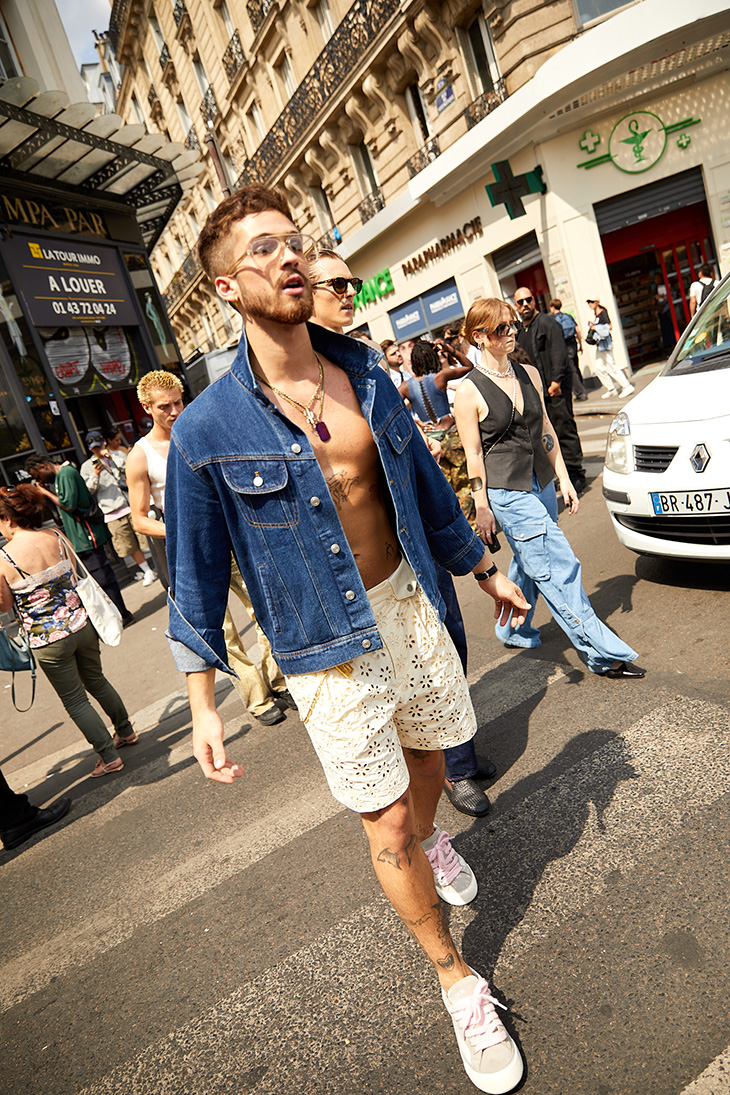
<point x="289" y="311"/>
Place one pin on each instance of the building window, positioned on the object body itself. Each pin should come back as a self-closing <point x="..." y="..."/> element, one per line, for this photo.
<point x="8" y="61"/>
<point x="137" y="110"/>
<point x="587" y="11"/>
<point x="418" y="114"/>
<point x="481" y="60"/>
<point x="364" y="169"/>
<point x="156" y="32"/>
<point x="185" y="119"/>
<point x="286" y="76"/>
<point x="324" y="18"/>
<point x="201" y="77"/>
<point x="255" y="124"/>
<point x="209" y="198"/>
<point x="194" y="224"/>
<point x="322" y="208"/>
<point x="226" y="17"/>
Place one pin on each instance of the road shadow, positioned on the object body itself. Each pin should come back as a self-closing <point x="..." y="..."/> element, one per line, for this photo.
<point x="682" y="573"/>
<point x="30" y="744"/>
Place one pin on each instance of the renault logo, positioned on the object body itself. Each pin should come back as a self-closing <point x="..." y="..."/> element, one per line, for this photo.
<point x="700" y="458"/>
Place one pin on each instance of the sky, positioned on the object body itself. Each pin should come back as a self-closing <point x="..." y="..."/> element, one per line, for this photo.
<point x="80" y="17"/>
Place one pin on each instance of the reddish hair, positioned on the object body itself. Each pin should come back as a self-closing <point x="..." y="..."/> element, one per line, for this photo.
<point x="24" y="505"/>
<point x="485" y="315"/>
<point x="213" y="245"/>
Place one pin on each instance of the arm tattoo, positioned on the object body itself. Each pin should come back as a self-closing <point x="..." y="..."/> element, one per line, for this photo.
<point x="340" y="487"/>
<point x="548" y="442"/>
<point x="446" y="963"/>
<point x="476" y="483"/>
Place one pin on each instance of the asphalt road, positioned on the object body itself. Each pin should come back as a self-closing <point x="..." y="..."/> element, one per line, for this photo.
<point x="174" y="936"/>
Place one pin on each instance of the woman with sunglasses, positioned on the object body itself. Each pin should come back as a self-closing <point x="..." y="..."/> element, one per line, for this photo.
<point x="513" y="457"/>
<point x="38" y="578"/>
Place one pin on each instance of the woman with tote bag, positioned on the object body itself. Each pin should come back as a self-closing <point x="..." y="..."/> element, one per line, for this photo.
<point x="38" y="578"/>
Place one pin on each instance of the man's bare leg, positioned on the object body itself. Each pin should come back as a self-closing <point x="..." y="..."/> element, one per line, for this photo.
<point x="406" y="876"/>
<point x="427" y="771"/>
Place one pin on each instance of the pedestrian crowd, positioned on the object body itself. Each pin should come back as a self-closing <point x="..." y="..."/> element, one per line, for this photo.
<point x="335" y="487"/>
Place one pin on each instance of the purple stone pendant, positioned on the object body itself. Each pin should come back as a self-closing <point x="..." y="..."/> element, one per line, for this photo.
<point x="322" y="432"/>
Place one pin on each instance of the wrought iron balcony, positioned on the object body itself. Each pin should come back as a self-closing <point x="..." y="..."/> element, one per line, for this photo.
<point x="179" y="11"/>
<point x="152" y="97"/>
<point x="118" y="21"/>
<point x="191" y="141"/>
<point x="188" y="272"/>
<point x="485" y="104"/>
<point x="233" y="58"/>
<point x="327" y="242"/>
<point x="257" y="12"/>
<point x="209" y="106"/>
<point x="371" y="205"/>
<point x="341" y="55"/>
<point x="425" y="155"/>
<point x="164" y="57"/>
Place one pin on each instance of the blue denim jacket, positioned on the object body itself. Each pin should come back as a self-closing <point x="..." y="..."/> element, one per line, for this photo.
<point x="241" y="477"/>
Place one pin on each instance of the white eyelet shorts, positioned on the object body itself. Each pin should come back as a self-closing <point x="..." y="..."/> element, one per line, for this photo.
<point x="412" y="694"/>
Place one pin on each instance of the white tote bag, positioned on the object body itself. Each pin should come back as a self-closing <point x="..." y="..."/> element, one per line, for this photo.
<point x="103" y="613"/>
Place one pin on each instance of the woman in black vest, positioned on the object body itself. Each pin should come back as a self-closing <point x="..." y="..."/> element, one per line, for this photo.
<point x="513" y="457"/>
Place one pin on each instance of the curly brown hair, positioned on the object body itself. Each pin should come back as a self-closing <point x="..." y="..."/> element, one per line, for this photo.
<point x="24" y="505"/>
<point x="214" y="241"/>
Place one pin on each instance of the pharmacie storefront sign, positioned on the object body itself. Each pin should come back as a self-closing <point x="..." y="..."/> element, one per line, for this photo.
<point x="64" y="282"/>
<point x="471" y="230"/>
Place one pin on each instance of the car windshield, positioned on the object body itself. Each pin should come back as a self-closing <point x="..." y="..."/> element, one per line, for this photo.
<point x="705" y="345"/>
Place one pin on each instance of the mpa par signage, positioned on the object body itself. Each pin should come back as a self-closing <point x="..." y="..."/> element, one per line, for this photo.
<point x="69" y="283"/>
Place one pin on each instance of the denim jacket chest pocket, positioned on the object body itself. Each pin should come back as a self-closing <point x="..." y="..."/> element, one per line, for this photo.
<point x="398" y="431"/>
<point x="262" y="490"/>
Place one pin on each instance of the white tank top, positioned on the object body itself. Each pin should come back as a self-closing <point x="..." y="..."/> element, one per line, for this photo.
<point x="156" y="470"/>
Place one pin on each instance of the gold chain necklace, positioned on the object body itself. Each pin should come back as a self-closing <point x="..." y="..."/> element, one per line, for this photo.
<point x="314" y="420"/>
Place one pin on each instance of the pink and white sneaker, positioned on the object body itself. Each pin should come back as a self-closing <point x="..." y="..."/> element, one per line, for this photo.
<point x="491" y="1059"/>
<point x="454" y="878"/>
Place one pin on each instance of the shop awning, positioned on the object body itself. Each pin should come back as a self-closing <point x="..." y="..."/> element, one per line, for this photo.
<point x="49" y="141"/>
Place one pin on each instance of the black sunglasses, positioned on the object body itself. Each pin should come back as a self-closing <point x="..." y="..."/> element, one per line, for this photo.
<point x="525" y="300"/>
<point x="340" y="284"/>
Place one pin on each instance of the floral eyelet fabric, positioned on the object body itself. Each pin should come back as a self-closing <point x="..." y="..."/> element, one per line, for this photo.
<point x="49" y="606"/>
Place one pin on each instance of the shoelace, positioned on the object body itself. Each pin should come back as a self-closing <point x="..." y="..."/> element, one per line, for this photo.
<point x="442" y="858"/>
<point x="478" y="1019"/>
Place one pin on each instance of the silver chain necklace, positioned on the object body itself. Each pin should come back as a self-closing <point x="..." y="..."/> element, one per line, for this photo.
<point x="508" y="373"/>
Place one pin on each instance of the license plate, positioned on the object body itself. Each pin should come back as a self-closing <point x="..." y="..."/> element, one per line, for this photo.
<point x="696" y="503"/>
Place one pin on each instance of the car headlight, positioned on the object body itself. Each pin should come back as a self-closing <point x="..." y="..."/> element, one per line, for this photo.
<point x="618" y="445"/>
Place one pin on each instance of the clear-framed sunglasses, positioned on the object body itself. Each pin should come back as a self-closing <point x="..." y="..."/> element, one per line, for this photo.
<point x="265" y="248"/>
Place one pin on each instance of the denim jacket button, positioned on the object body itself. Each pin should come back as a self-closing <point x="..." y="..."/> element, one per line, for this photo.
<point x="366" y="644"/>
<point x="314" y="501"/>
<point x="350" y="595"/>
<point x="296" y="448"/>
<point x="258" y="481"/>
<point x="335" y="549"/>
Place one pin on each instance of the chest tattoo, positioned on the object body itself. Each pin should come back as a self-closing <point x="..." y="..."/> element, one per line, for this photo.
<point x="340" y="486"/>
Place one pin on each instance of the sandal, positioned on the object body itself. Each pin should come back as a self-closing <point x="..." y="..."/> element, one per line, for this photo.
<point x="103" y="769"/>
<point x="120" y="741"/>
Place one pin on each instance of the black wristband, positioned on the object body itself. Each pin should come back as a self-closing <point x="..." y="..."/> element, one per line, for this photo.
<point x="484" y="574"/>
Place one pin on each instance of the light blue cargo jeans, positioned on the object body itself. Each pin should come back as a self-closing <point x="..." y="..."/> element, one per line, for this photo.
<point x="544" y="562"/>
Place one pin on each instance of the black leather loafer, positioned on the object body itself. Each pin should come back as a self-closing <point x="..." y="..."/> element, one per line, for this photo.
<point x="271" y="717"/>
<point x="284" y="700"/>
<point x="466" y="797"/>
<point x="11" y="838"/>
<point x="625" y="671"/>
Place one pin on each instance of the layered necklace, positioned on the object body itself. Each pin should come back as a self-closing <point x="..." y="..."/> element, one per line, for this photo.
<point x="314" y="418"/>
<point x="506" y="375"/>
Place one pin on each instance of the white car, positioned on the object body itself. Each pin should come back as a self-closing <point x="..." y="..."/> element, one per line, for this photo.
<point x="666" y="479"/>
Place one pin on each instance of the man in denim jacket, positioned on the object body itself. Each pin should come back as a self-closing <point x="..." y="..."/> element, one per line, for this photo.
<point x="303" y="462"/>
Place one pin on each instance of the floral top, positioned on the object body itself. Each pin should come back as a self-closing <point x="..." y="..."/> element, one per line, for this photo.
<point x="50" y="608"/>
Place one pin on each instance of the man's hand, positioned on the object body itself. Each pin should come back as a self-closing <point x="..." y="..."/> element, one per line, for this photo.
<point x="569" y="495"/>
<point x="554" y="388"/>
<point x="209" y="750"/>
<point x="507" y="598"/>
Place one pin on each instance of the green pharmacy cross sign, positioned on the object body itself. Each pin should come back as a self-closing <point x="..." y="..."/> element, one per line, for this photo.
<point x="636" y="143"/>
<point x="509" y="189"/>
